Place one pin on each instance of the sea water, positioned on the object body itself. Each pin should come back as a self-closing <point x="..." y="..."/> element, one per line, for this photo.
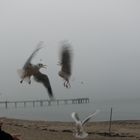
<point x="123" y="109"/>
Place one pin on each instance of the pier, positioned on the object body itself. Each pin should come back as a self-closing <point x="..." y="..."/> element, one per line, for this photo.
<point x="41" y="103"/>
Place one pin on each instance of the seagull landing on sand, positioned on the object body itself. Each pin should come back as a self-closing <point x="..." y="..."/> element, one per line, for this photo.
<point x="65" y="63"/>
<point x="80" y="133"/>
<point x="30" y="69"/>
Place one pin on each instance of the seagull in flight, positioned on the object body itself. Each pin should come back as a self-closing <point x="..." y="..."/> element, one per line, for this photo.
<point x="30" y="70"/>
<point x="80" y="133"/>
<point x="65" y="63"/>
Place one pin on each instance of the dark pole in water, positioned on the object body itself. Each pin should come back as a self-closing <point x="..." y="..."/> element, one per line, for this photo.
<point x="110" y="122"/>
<point x="33" y="103"/>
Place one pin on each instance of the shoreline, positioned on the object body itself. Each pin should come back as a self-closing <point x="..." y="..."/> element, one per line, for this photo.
<point x="91" y="121"/>
<point x="56" y="130"/>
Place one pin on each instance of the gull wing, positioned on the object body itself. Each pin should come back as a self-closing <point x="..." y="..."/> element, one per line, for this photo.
<point x="65" y="58"/>
<point x="33" y="54"/>
<point x="89" y="117"/>
<point x="42" y="78"/>
<point x="75" y="116"/>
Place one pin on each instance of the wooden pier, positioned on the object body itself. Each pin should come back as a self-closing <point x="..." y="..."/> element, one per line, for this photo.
<point x="34" y="103"/>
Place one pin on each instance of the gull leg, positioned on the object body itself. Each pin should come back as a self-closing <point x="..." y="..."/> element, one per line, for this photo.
<point x="22" y="79"/>
<point x="64" y="83"/>
<point x="67" y="84"/>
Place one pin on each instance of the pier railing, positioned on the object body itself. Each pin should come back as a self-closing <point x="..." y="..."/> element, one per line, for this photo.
<point x="41" y="103"/>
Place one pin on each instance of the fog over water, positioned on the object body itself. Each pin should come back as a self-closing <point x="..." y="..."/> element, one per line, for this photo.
<point x="105" y="40"/>
<point x="122" y="110"/>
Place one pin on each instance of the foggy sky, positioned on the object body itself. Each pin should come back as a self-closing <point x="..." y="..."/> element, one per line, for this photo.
<point x="105" y="39"/>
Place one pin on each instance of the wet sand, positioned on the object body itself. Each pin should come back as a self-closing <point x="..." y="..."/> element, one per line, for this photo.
<point x="43" y="130"/>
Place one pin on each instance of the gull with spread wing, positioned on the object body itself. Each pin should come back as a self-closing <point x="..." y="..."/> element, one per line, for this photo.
<point x="65" y="63"/>
<point x="80" y="133"/>
<point x="30" y="70"/>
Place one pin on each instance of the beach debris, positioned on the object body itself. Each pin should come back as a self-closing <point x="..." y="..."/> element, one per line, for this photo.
<point x="30" y="70"/>
<point x="65" y="63"/>
<point x="79" y="131"/>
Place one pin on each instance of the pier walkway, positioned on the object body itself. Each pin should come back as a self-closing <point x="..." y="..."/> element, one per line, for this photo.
<point x="41" y="103"/>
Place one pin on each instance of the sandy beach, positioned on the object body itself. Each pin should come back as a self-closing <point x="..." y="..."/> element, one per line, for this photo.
<point x="43" y="130"/>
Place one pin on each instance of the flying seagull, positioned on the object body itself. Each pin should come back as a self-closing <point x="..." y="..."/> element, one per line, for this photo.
<point x="26" y="72"/>
<point x="65" y="63"/>
<point x="30" y="70"/>
<point x="80" y="133"/>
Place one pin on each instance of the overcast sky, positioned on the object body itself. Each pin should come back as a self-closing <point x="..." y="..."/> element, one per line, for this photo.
<point x="105" y="39"/>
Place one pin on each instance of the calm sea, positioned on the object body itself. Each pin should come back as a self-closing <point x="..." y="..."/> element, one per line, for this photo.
<point x="122" y="110"/>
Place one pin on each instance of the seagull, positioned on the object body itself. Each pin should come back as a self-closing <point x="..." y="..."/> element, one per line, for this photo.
<point x="65" y="63"/>
<point x="80" y="133"/>
<point x="30" y="70"/>
<point x="26" y="72"/>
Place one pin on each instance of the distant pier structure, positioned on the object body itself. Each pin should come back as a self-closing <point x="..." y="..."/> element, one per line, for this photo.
<point x="41" y="103"/>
